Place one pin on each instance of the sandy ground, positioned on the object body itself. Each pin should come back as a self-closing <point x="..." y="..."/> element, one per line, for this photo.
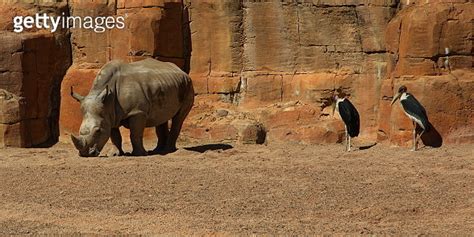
<point x="275" y="189"/>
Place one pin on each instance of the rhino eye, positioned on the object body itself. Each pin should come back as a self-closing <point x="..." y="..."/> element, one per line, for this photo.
<point x="96" y="131"/>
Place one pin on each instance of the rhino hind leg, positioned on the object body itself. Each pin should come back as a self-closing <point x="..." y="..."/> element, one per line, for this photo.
<point x="137" y="126"/>
<point x="116" y="138"/>
<point x="162" y="132"/>
<point x="176" y="124"/>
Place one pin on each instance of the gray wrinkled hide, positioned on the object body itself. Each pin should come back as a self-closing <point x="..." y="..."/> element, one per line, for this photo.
<point x="141" y="94"/>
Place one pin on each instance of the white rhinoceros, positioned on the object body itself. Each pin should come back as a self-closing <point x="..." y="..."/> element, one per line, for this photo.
<point x="141" y="94"/>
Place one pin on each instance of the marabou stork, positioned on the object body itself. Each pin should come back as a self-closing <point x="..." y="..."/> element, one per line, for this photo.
<point x="349" y="115"/>
<point x="414" y="110"/>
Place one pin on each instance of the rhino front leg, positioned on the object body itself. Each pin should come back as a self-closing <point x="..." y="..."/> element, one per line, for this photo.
<point x="137" y="126"/>
<point x="116" y="138"/>
<point x="162" y="133"/>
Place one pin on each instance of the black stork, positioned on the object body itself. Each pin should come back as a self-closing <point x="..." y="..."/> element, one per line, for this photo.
<point x="414" y="110"/>
<point x="349" y="115"/>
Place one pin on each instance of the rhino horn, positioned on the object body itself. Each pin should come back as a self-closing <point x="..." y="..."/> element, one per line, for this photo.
<point x="78" y="142"/>
<point x="76" y="96"/>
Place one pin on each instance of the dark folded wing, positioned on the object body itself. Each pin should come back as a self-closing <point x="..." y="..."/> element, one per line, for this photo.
<point x="350" y="116"/>
<point x="415" y="109"/>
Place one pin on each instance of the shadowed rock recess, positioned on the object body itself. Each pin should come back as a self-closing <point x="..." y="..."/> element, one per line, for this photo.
<point x="32" y="66"/>
<point x="263" y="71"/>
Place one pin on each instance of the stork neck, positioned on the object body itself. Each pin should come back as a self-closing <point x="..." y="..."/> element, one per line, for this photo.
<point x="339" y="100"/>
<point x="404" y="96"/>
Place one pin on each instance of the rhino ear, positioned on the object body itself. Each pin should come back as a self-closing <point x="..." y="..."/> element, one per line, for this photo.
<point x="104" y="94"/>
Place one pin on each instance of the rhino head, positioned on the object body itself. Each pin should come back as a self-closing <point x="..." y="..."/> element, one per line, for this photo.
<point x="96" y="124"/>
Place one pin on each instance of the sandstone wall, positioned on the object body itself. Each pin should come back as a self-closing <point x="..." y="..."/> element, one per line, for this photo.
<point x="430" y="50"/>
<point x="262" y="56"/>
<point x="261" y="69"/>
<point x="32" y="66"/>
<point x="281" y="60"/>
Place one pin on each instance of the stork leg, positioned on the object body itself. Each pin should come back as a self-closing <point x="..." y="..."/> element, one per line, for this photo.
<point x="349" y="149"/>
<point x="414" y="136"/>
<point x="347" y="139"/>
<point x="419" y="136"/>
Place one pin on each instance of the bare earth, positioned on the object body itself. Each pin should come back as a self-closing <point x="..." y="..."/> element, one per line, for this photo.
<point x="276" y="189"/>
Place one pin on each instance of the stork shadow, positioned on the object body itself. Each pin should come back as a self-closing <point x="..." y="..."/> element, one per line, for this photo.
<point x="209" y="147"/>
<point x="432" y="138"/>
<point x="367" y="146"/>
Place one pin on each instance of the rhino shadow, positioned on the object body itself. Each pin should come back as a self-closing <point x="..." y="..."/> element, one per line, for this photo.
<point x="209" y="147"/>
<point x="432" y="138"/>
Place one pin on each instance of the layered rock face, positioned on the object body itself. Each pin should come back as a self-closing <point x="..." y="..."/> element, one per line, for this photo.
<point x="281" y="61"/>
<point x="32" y="66"/>
<point x="265" y="70"/>
<point x="430" y="51"/>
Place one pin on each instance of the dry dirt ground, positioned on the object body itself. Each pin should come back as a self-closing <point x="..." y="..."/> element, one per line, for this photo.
<point x="275" y="189"/>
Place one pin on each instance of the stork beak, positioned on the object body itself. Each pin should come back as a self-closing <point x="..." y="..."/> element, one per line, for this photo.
<point x="333" y="106"/>
<point x="395" y="98"/>
<point x="76" y="96"/>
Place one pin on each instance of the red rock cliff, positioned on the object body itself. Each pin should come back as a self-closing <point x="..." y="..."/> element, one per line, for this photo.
<point x="268" y="67"/>
<point x="32" y="66"/>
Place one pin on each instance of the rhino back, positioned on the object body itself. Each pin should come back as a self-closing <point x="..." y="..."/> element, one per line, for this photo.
<point x="154" y="88"/>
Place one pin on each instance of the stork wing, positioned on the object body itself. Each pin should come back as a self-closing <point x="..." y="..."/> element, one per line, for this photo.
<point x="350" y="116"/>
<point x="415" y="109"/>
